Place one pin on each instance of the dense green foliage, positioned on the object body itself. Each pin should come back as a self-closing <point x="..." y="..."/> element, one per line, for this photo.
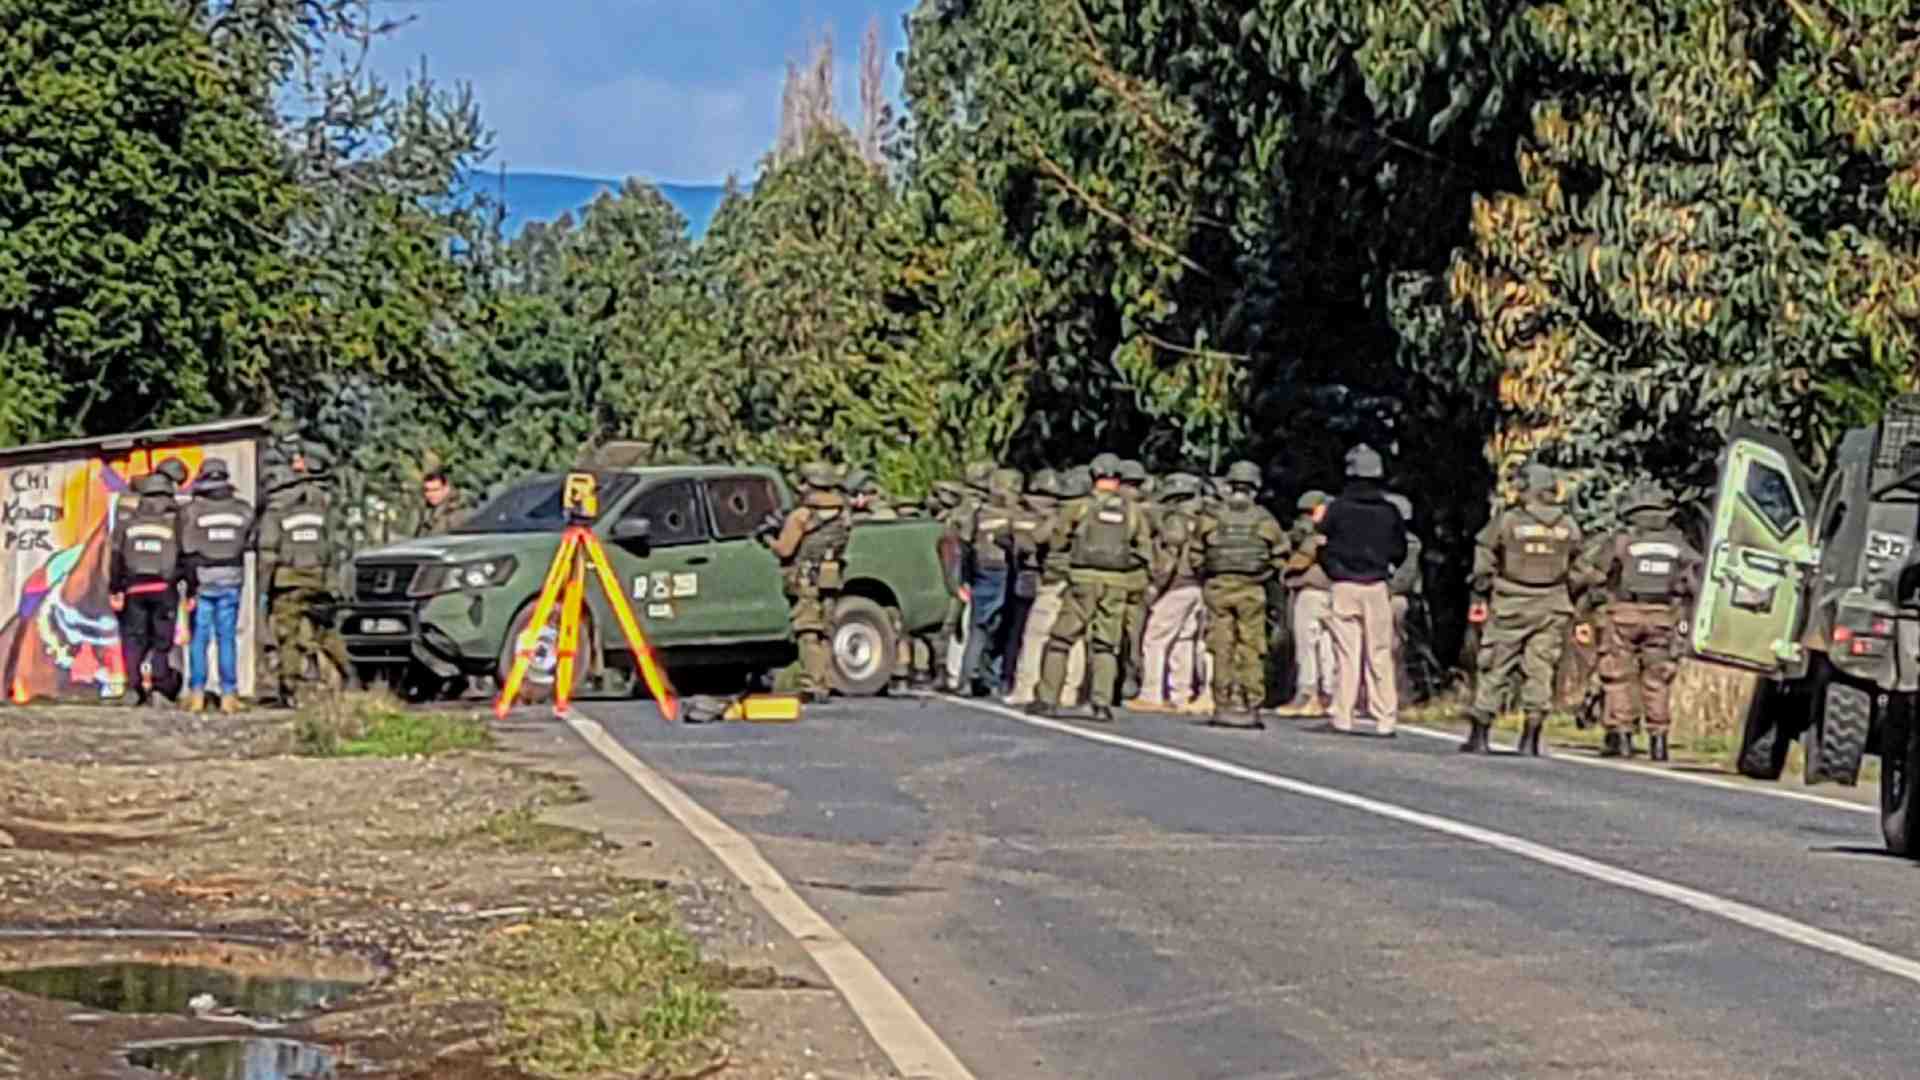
<point x="1468" y="231"/>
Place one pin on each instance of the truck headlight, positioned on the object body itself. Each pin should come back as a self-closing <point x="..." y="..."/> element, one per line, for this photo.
<point x="478" y="574"/>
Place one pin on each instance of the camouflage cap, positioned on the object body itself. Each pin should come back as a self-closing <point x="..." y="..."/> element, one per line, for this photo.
<point x="820" y="476"/>
<point x="858" y="480"/>
<point x="1310" y="500"/>
<point x="1537" y="479"/>
<point x="1181" y="485"/>
<point x="1132" y="472"/>
<point x="1043" y="482"/>
<point x="1006" y="482"/>
<point x="1647" y="495"/>
<point x="1105" y="466"/>
<point x="1076" y="482"/>
<point x="1244" y="472"/>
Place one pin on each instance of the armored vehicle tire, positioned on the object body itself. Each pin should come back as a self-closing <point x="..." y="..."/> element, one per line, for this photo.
<point x="537" y="687"/>
<point x="1766" y="736"/>
<point x="1899" y="768"/>
<point x="863" y="647"/>
<point x="1841" y="718"/>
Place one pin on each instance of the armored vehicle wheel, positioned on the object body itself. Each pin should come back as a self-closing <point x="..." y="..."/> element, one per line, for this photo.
<point x="537" y="687"/>
<point x="863" y="647"/>
<point x="1899" y="768"/>
<point x="1841" y="717"/>
<point x="1767" y="733"/>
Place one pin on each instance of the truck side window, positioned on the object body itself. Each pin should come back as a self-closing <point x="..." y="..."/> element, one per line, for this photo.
<point x="1833" y="508"/>
<point x="1772" y="494"/>
<point x="740" y="504"/>
<point x="673" y="509"/>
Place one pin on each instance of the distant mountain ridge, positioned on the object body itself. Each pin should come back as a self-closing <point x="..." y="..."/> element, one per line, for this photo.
<point x="532" y="196"/>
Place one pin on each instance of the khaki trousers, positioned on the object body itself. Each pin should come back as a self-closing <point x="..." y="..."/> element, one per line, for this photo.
<point x="1316" y="670"/>
<point x="1362" y="632"/>
<point x="1172" y="645"/>
<point x="1033" y="646"/>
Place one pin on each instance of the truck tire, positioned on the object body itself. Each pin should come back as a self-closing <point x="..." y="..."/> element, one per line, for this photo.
<point x="1764" y="736"/>
<point x="537" y="687"/>
<point x="863" y="647"/>
<point x="1837" y="738"/>
<point x="1899" y="768"/>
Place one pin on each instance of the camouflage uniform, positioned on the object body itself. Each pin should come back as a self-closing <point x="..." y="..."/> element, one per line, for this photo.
<point x="1241" y="547"/>
<point x="1108" y="550"/>
<point x="973" y="495"/>
<point x="1135" y="484"/>
<point x="1525" y="563"/>
<point x="443" y="519"/>
<point x="940" y="646"/>
<point x="811" y="544"/>
<point x="1032" y="531"/>
<point x="1404" y="587"/>
<point x="1173" y="666"/>
<point x="1648" y="572"/>
<point x="1310" y="607"/>
<point x="296" y="558"/>
<point x="1053" y="496"/>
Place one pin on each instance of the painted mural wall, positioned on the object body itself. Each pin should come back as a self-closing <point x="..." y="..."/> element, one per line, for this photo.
<point x="59" y="637"/>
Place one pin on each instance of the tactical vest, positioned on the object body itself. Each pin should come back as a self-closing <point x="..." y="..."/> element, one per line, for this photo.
<point x="1030" y="529"/>
<point x="992" y="536"/>
<point x="1649" y="563"/>
<point x="216" y="530"/>
<point x="1103" y="538"/>
<point x="1172" y="539"/>
<point x="1237" y="546"/>
<point x="828" y="530"/>
<point x="152" y="540"/>
<point x="1535" y="552"/>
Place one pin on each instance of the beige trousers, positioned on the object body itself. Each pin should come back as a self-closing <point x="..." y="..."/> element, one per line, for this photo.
<point x="1316" y="670"/>
<point x="1362" y="632"/>
<point x="1172" y="646"/>
<point x="1033" y="646"/>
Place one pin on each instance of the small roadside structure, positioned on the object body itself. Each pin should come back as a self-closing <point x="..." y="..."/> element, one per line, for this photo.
<point x="59" y="638"/>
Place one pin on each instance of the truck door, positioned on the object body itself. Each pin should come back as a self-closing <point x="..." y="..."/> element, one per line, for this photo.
<point x="749" y="600"/>
<point x="662" y="571"/>
<point x="1760" y="551"/>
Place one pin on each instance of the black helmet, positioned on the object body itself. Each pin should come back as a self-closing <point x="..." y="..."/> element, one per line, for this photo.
<point x="214" y="471"/>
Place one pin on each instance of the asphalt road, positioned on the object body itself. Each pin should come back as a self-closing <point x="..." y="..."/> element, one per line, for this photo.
<point x="1058" y="907"/>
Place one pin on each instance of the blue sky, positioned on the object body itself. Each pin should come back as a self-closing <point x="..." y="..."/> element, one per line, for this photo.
<point x="676" y="91"/>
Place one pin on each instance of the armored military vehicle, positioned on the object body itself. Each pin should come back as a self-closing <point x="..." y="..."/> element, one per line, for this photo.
<point x="1814" y="587"/>
<point x="682" y="538"/>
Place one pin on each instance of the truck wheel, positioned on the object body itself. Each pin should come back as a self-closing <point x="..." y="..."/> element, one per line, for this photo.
<point x="537" y="687"/>
<point x="1764" y="740"/>
<point x="1838" y="735"/>
<point x="1899" y="768"/>
<point x="863" y="647"/>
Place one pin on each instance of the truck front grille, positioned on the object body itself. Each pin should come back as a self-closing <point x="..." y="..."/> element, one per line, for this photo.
<point x="383" y="581"/>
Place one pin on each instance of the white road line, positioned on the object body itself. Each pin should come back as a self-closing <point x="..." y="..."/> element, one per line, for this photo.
<point x="1731" y="910"/>
<point x="1667" y="774"/>
<point x="913" y="1046"/>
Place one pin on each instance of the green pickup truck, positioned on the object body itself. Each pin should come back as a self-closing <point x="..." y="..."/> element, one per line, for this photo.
<point x="708" y="594"/>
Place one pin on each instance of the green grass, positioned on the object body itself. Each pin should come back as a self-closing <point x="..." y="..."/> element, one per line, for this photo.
<point x="625" y="994"/>
<point x="375" y="725"/>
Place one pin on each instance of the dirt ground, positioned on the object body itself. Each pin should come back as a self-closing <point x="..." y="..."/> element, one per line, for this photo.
<point x="398" y="871"/>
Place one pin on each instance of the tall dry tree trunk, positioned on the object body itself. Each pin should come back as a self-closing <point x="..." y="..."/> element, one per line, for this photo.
<point x="874" y="114"/>
<point x="806" y="102"/>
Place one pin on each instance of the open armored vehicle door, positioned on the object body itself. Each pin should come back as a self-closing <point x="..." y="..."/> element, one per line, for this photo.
<point x="1752" y="601"/>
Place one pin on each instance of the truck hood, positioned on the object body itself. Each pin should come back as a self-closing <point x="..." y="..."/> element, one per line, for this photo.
<point x="461" y="548"/>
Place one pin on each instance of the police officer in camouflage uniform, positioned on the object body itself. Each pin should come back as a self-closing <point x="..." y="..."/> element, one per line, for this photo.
<point x="1241" y="547"/>
<point x="811" y="544"/>
<point x="1647" y="572"/>
<point x="1524" y="571"/>
<point x="1170" y="661"/>
<point x="1135" y="483"/>
<point x="1032" y="532"/>
<point x="1051" y="494"/>
<point x="144" y="581"/>
<point x="1404" y="588"/>
<point x="947" y="499"/>
<point x="296" y="561"/>
<point x="1109" y="548"/>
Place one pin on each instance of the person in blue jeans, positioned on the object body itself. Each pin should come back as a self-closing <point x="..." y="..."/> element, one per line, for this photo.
<point x="218" y="531"/>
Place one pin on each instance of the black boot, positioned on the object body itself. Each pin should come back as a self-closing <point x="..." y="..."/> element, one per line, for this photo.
<point x="1626" y="744"/>
<point x="1657" y="750"/>
<point x="1612" y="748"/>
<point x="1101" y="714"/>
<point x="1476" y="739"/>
<point x="1530" y="738"/>
<point x="1036" y="707"/>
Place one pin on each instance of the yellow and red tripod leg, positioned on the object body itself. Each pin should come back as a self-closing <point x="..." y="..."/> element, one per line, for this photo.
<point x="569" y="636"/>
<point x="542" y="612"/>
<point x="650" y="667"/>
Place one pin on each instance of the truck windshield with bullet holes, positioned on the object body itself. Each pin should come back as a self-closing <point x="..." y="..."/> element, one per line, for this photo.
<point x="426" y="613"/>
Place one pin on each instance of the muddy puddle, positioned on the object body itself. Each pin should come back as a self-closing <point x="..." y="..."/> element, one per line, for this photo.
<point x="234" y="1059"/>
<point x="211" y="979"/>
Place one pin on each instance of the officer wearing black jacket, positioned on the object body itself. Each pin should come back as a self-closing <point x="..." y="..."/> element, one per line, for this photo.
<point x="144" y="586"/>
